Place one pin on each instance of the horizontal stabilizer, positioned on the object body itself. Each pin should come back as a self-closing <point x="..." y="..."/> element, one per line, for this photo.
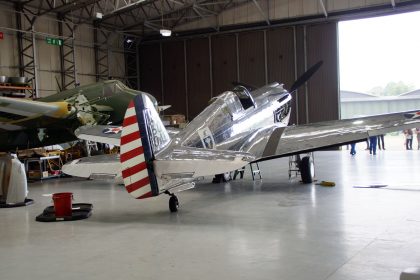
<point x="101" y="166"/>
<point x="106" y="134"/>
<point x="163" y="108"/>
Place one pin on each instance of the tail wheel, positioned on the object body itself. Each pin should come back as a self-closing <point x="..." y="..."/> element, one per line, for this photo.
<point x="173" y="203"/>
<point x="307" y="170"/>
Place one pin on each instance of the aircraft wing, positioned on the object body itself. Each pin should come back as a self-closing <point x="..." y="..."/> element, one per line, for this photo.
<point x="290" y="140"/>
<point x="18" y="114"/>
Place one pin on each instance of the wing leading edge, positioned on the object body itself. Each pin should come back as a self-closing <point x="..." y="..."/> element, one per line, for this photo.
<point x="303" y="138"/>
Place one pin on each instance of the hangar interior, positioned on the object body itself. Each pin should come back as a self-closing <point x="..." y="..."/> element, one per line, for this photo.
<point x="276" y="227"/>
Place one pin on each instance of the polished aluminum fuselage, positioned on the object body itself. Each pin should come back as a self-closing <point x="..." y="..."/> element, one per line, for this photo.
<point x="225" y="136"/>
<point x="230" y="127"/>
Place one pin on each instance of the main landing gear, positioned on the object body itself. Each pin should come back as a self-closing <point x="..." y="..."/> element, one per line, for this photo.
<point x="173" y="202"/>
<point x="307" y="170"/>
<point x="303" y="166"/>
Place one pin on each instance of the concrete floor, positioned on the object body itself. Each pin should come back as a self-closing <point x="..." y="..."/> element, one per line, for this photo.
<point x="274" y="229"/>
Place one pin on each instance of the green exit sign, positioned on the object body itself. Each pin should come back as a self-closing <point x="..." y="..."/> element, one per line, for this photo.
<point x="54" y="41"/>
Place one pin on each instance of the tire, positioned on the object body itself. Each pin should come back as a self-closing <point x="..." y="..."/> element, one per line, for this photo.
<point x="173" y="204"/>
<point x="306" y="167"/>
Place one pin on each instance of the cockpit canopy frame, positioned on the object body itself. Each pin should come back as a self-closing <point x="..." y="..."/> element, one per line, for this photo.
<point x="244" y="96"/>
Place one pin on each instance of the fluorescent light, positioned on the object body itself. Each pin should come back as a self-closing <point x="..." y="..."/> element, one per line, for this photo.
<point x="165" y="32"/>
<point x="99" y="15"/>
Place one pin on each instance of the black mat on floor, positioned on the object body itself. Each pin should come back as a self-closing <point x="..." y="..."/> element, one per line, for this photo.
<point x="20" y="204"/>
<point x="80" y="211"/>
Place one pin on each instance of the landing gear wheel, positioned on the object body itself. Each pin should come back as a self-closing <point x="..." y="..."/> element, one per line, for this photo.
<point x="307" y="170"/>
<point x="173" y="203"/>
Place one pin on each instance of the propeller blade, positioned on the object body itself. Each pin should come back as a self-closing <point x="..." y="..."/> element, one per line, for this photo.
<point x="248" y="87"/>
<point x="305" y="76"/>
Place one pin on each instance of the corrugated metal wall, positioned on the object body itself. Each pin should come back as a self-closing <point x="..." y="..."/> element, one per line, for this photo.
<point x="279" y="54"/>
<point x="283" y="10"/>
<point x="48" y="56"/>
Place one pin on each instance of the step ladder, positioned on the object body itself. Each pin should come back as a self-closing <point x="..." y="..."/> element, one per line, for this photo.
<point x="294" y="170"/>
<point x="256" y="171"/>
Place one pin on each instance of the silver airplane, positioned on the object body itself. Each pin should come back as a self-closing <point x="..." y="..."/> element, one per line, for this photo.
<point x="238" y="127"/>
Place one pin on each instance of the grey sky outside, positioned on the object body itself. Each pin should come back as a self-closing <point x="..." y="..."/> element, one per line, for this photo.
<point x="376" y="51"/>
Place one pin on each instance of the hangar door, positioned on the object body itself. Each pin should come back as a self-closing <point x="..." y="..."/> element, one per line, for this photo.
<point x="186" y="73"/>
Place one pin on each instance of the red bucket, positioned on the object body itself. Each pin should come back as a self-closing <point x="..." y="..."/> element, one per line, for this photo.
<point x="62" y="204"/>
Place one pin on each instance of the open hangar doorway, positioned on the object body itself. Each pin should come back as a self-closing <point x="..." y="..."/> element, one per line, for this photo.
<point x="379" y="62"/>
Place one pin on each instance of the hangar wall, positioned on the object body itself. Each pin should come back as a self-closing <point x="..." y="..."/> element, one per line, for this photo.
<point x="187" y="73"/>
<point x="9" y="52"/>
<point x="278" y="10"/>
<point x="48" y="56"/>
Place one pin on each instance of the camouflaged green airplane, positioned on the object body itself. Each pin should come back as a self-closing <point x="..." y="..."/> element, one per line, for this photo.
<point x="26" y="123"/>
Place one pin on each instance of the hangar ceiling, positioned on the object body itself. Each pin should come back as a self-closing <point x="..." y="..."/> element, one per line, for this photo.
<point x="145" y="17"/>
<point x="134" y="16"/>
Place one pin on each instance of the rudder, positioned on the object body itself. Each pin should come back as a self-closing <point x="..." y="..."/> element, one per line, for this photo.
<point x="142" y="136"/>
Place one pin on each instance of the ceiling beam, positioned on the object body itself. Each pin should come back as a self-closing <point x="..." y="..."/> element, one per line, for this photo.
<point x="131" y="5"/>
<point x="79" y="5"/>
<point x="185" y="8"/>
<point x="266" y="18"/>
<point x="58" y="8"/>
<point x="164" y="13"/>
<point x="324" y="10"/>
<point x="128" y="8"/>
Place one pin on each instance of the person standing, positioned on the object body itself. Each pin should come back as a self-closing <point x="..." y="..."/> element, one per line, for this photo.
<point x="418" y="137"/>
<point x="353" y="148"/>
<point x="408" y="139"/>
<point x="373" y="141"/>
<point x="381" y="139"/>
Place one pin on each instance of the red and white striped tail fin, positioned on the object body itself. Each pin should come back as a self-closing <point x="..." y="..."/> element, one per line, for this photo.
<point x="137" y="149"/>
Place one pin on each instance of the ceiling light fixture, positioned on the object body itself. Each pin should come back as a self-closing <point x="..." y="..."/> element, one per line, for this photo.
<point x="99" y="15"/>
<point x="165" y="32"/>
